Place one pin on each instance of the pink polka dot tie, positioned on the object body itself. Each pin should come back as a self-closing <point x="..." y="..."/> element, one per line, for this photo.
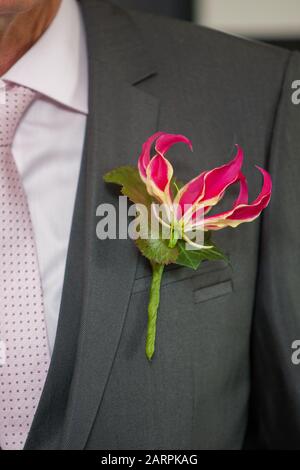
<point x="24" y="346"/>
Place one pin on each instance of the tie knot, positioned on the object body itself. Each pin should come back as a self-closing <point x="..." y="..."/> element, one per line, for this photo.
<point x="14" y="101"/>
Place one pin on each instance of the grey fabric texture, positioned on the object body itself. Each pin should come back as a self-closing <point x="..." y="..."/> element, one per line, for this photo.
<point x="149" y="73"/>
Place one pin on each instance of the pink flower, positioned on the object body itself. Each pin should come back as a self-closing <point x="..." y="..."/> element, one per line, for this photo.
<point x="189" y="208"/>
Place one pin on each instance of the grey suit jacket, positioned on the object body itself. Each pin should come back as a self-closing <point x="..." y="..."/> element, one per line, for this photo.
<point x="149" y="73"/>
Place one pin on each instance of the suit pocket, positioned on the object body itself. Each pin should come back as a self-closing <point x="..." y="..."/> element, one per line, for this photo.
<point x="212" y="279"/>
<point x="213" y="291"/>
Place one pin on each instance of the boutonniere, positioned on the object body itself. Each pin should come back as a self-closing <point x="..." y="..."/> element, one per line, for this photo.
<point x="173" y="220"/>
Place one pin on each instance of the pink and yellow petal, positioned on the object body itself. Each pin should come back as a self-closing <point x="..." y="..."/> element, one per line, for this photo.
<point x="159" y="176"/>
<point x="219" y="179"/>
<point x="190" y="194"/>
<point x="166" y="141"/>
<point x="241" y="211"/>
<point x="145" y="156"/>
<point x="208" y="188"/>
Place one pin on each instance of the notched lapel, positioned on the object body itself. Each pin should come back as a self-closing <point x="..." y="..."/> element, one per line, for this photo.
<point x="121" y="118"/>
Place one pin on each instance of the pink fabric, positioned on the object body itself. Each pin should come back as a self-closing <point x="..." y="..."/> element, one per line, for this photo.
<point x="22" y="323"/>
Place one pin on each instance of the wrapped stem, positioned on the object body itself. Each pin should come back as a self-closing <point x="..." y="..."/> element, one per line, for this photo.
<point x="154" y="299"/>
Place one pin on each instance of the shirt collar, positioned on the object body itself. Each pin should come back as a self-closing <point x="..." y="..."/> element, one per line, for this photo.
<point x="57" y="65"/>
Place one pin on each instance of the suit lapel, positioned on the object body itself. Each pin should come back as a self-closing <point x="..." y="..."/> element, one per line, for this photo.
<point x="121" y="118"/>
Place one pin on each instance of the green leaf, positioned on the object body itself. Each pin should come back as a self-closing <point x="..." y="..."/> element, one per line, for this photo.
<point x="132" y="185"/>
<point x="157" y="250"/>
<point x="193" y="258"/>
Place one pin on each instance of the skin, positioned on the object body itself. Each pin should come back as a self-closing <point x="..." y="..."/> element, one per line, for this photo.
<point x="22" y="22"/>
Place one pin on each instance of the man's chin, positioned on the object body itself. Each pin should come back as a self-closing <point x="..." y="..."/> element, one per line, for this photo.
<point x="12" y="7"/>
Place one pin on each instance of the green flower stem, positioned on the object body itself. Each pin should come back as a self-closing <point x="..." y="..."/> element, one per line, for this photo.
<point x="173" y="237"/>
<point x="157" y="272"/>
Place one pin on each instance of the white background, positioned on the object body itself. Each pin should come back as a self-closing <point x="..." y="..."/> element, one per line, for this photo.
<point x="261" y="19"/>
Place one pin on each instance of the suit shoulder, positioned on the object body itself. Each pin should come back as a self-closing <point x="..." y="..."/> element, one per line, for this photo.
<point x="194" y="43"/>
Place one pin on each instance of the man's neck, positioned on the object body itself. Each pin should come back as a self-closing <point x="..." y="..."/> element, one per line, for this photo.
<point x="18" y="33"/>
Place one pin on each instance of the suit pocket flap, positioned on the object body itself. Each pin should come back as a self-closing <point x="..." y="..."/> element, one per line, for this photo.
<point x="213" y="291"/>
<point x="211" y="272"/>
